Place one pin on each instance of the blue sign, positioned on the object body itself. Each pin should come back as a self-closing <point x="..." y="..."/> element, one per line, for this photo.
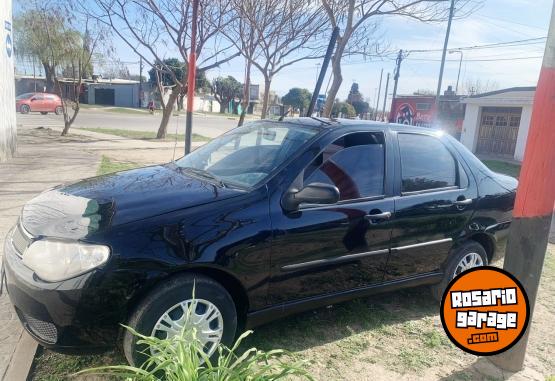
<point x="9" y="46"/>
<point x="9" y="43"/>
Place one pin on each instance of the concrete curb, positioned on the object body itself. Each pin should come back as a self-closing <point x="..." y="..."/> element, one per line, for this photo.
<point x="22" y="359"/>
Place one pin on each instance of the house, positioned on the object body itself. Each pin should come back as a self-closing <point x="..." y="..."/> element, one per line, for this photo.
<point x="496" y="123"/>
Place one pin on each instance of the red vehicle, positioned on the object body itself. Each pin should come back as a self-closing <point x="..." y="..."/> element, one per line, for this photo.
<point x="38" y="102"/>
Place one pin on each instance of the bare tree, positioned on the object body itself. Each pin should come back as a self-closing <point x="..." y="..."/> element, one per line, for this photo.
<point x="274" y="34"/>
<point x="352" y="16"/>
<point x="473" y="86"/>
<point x="153" y="27"/>
<point x="70" y="45"/>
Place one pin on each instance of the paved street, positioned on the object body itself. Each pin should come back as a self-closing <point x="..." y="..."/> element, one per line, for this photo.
<point x="207" y="125"/>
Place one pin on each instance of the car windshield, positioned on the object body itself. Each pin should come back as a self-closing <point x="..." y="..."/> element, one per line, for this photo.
<point x="24" y="96"/>
<point x="246" y="156"/>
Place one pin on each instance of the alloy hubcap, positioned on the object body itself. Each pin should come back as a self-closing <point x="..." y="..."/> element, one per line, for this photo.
<point x="198" y="314"/>
<point x="468" y="262"/>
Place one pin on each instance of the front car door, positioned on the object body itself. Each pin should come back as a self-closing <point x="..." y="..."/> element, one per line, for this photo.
<point x="324" y="249"/>
<point x="436" y="196"/>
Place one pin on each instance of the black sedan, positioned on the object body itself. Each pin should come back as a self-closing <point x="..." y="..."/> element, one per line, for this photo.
<point x="269" y="219"/>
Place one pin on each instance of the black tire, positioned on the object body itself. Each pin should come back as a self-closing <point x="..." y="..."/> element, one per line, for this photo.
<point x="24" y="109"/>
<point x="456" y="257"/>
<point x="44" y="112"/>
<point x="58" y="110"/>
<point x="170" y="293"/>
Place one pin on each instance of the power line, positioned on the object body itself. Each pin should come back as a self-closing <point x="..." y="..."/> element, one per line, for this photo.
<point x="477" y="60"/>
<point x="528" y="41"/>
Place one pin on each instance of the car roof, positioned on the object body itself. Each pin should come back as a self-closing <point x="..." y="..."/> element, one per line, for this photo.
<point x="326" y="123"/>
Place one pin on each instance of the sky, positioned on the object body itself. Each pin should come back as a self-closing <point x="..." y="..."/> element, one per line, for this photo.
<point x="496" y="21"/>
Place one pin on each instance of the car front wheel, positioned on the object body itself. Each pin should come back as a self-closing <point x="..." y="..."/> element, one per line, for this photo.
<point x="25" y="109"/>
<point x="466" y="257"/>
<point x="185" y="302"/>
<point x="59" y="110"/>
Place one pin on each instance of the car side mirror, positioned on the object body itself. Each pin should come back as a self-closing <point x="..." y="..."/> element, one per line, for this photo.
<point x="33" y="99"/>
<point x="314" y="193"/>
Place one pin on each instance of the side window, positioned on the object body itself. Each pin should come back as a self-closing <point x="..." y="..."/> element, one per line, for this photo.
<point x="355" y="164"/>
<point x="426" y="163"/>
<point x="38" y="97"/>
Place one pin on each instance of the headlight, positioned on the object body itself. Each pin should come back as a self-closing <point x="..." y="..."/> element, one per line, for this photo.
<point x="54" y="260"/>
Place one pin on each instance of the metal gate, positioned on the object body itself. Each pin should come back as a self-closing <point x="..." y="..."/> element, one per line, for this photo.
<point x="104" y="97"/>
<point x="498" y="130"/>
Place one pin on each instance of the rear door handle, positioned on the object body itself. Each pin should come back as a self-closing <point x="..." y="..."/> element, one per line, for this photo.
<point x="466" y="201"/>
<point x="378" y="217"/>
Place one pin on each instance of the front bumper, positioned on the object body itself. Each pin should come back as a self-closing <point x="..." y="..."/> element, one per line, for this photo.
<point x="71" y="316"/>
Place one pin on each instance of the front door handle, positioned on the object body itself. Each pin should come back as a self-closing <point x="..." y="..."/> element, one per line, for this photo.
<point x="378" y="217"/>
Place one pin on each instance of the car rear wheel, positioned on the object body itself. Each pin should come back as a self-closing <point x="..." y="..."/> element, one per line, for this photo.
<point x="171" y="307"/>
<point x="466" y="257"/>
<point x="59" y="110"/>
<point x="25" y="109"/>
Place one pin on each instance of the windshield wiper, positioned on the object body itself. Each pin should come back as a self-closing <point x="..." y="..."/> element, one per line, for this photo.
<point x="205" y="174"/>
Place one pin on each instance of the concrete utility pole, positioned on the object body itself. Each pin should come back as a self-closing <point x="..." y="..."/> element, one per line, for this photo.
<point x="379" y="93"/>
<point x="460" y="64"/>
<point x="385" y="96"/>
<point x="438" y="92"/>
<point x="397" y="72"/>
<point x="141" y="82"/>
<point x="191" y="75"/>
<point x="535" y="197"/>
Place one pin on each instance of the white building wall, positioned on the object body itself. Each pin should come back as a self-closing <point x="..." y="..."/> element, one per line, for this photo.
<point x="8" y="129"/>
<point x="469" y="134"/>
<point x="522" y="136"/>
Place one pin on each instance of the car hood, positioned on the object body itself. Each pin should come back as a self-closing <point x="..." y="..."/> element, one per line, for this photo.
<point x="92" y="205"/>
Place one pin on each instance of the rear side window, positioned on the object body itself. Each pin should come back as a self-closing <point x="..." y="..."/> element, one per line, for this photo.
<point x="354" y="163"/>
<point x="426" y="163"/>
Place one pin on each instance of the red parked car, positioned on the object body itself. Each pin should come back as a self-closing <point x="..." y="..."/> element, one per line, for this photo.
<point x="38" y="102"/>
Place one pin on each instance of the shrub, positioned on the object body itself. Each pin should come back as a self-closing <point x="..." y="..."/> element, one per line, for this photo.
<point x="181" y="358"/>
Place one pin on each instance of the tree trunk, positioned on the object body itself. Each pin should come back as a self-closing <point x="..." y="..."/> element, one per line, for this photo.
<point x="68" y="122"/>
<point x="266" y="101"/>
<point x="222" y="107"/>
<point x="50" y="78"/>
<point x="337" y="77"/>
<point x="167" y="113"/>
<point x="246" y="95"/>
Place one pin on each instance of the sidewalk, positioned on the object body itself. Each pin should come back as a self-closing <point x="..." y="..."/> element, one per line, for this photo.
<point x="46" y="159"/>
<point x="41" y="163"/>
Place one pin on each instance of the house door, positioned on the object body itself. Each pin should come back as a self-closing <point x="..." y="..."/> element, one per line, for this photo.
<point x="498" y="130"/>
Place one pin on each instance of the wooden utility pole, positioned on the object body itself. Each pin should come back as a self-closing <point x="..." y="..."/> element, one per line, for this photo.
<point x="191" y="75"/>
<point x="535" y="198"/>
<point x="397" y="73"/>
<point x="445" y="43"/>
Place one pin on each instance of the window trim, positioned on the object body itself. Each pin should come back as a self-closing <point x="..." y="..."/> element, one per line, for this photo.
<point x="353" y="200"/>
<point x="458" y="165"/>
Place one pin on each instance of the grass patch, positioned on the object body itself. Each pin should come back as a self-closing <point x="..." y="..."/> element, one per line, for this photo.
<point x="144" y="135"/>
<point x="123" y="110"/>
<point x="107" y="165"/>
<point x="503" y="167"/>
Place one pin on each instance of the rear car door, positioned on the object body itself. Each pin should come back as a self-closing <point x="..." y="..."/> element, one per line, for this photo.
<point x="436" y="197"/>
<point x="324" y="249"/>
<point x="37" y="102"/>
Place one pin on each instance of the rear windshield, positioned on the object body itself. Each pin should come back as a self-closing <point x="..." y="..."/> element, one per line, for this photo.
<point x="24" y="96"/>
